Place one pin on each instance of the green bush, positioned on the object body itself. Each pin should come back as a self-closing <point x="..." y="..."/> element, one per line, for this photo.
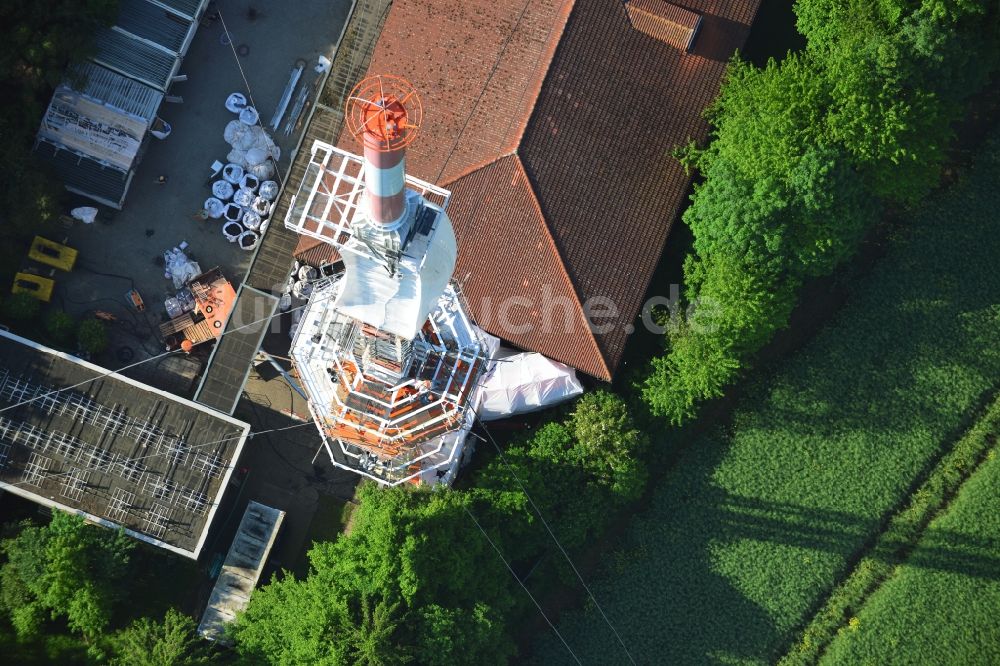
<point x="803" y="154"/>
<point x="406" y="581"/>
<point x="92" y="336"/>
<point x="415" y="578"/>
<point x="21" y="307"/>
<point x="41" y="39"/>
<point x="738" y="309"/>
<point x="65" y="569"/>
<point x="60" y="326"/>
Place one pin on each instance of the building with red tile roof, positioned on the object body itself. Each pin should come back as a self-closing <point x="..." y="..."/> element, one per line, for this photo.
<point x="552" y="122"/>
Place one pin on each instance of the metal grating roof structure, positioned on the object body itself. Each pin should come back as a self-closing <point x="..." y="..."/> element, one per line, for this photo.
<point x="229" y="365"/>
<point x="272" y="259"/>
<point x="118" y="452"/>
<point x="242" y="568"/>
<point x="115" y="90"/>
<point x="331" y="192"/>
<point x="189" y="8"/>
<point x="148" y="21"/>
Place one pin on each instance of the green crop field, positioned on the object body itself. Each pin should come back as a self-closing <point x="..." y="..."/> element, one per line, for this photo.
<point x="757" y="521"/>
<point x="943" y="604"/>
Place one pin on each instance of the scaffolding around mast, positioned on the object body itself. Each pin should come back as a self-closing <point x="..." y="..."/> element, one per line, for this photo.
<point x="387" y="352"/>
<point x="399" y="425"/>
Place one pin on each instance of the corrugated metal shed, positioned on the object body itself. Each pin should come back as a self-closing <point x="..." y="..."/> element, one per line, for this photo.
<point x="130" y="71"/>
<point x="84" y="175"/>
<point x="89" y="127"/>
<point x="146" y="20"/>
<point x="115" y="90"/>
<point x="124" y="53"/>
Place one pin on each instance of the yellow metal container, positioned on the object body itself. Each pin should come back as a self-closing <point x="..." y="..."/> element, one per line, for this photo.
<point x="36" y="285"/>
<point x="53" y="254"/>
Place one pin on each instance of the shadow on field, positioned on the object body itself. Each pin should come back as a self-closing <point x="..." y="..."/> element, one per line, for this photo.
<point x="939" y="549"/>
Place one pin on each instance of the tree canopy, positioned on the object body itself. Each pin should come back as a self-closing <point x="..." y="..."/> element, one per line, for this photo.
<point x="416" y="581"/>
<point x="65" y="569"/>
<point x="803" y="156"/>
<point x="40" y="40"/>
<point x="172" y="642"/>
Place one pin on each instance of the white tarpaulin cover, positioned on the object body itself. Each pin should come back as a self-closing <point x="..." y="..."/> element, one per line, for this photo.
<point x="180" y="268"/>
<point x="398" y="304"/>
<point x="85" y="214"/>
<point x="525" y="383"/>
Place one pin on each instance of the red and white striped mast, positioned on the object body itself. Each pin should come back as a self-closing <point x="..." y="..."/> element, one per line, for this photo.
<point x="385" y="113"/>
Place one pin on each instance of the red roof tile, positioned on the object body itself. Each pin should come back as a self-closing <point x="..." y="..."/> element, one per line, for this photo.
<point x="315" y="252"/>
<point x="478" y="65"/>
<point x="552" y="122"/>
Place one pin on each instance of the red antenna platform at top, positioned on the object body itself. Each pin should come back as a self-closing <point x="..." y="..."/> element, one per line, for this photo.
<point x="385" y="112"/>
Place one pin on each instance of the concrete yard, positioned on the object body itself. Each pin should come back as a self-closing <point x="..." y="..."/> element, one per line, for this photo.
<point x="121" y="250"/>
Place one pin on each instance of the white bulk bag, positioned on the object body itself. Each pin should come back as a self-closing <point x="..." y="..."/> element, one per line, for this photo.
<point x="222" y="190"/>
<point x="269" y="190"/>
<point x="214" y="207"/>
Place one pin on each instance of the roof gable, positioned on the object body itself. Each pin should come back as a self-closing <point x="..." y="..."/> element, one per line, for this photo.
<point x="479" y="65"/>
<point x="511" y="272"/>
<point x="665" y="21"/>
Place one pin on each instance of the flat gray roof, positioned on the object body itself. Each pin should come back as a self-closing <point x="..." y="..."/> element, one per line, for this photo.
<point x="116" y="451"/>
<point x="229" y="365"/>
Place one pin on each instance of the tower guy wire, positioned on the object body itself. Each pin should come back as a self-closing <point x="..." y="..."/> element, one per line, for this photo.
<point x="249" y="436"/>
<point x="136" y="364"/>
<point x="523" y="586"/>
<point x="552" y="534"/>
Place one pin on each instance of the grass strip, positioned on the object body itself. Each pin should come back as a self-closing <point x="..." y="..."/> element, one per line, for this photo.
<point x="897" y="541"/>
<point x="940" y="606"/>
<point x="759" y="519"/>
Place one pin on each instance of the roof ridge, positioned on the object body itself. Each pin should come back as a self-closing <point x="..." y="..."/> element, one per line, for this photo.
<point x="550" y="53"/>
<point x="562" y="264"/>
<point x="518" y="122"/>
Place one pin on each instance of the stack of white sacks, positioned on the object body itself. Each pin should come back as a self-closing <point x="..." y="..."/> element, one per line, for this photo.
<point x="247" y="180"/>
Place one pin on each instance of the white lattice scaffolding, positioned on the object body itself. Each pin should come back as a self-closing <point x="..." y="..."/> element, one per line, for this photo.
<point x="331" y="195"/>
